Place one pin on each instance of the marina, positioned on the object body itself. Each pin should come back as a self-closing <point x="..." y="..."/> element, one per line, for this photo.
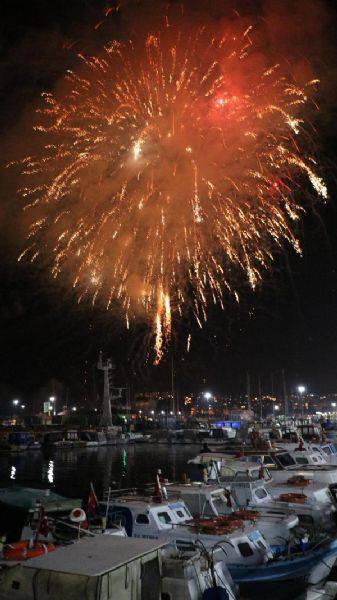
<point x="168" y="303"/>
<point x="262" y="533"/>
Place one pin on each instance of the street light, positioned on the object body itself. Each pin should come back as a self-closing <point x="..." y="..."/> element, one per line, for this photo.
<point x="301" y="390"/>
<point x="207" y="395"/>
<point x="74" y="408"/>
<point x="52" y="399"/>
<point x="333" y="404"/>
<point x="15" y="402"/>
<point x="23" y="406"/>
<point x="277" y="407"/>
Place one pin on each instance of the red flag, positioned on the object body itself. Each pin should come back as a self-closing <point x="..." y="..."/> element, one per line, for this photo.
<point x="92" y="501"/>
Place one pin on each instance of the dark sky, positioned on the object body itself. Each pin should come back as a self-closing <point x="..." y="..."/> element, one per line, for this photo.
<point x="290" y="322"/>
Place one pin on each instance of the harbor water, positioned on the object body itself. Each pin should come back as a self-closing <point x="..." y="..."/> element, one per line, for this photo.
<point x="69" y="472"/>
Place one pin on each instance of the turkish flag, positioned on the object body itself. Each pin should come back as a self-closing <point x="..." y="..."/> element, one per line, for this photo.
<point x="92" y="501"/>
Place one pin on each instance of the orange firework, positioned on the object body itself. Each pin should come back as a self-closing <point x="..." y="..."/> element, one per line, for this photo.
<point x="169" y="164"/>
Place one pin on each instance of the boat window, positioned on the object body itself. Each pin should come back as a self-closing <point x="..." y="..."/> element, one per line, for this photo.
<point x="143" y="519"/>
<point x="180" y="514"/>
<point x="301" y="460"/>
<point x="185" y="545"/>
<point x="314" y="458"/>
<point x="260" y="493"/>
<point x="164" y="517"/>
<point x="305" y="520"/>
<point x="219" y="499"/>
<point x="327" y="450"/>
<point x="245" y="549"/>
<point x="286" y="460"/>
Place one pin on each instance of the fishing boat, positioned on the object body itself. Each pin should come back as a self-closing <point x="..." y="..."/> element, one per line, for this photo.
<point x="278" y="464"/>
<point x="15" y="442"/>
<point x="104" y="567"/>
<point x="92" y="438"/>
<point x="239" y="544"/>
<point x="70" y="439"/>
<point x="211" y="501"/>
<point x="33" y="443"/>
<point x="26" y="498"/>
<point x="313" y="501"/>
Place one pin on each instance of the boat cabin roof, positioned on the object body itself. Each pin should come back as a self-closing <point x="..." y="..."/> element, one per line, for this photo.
<point x="193" y="488"/>
<point x="144" y="502"/>
<point x="95" y="556"/>
<point x="235" y="464"/>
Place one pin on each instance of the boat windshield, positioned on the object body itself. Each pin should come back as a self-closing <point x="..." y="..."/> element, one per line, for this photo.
<point x="219" y="500"/>
<point x="286" y="460"/>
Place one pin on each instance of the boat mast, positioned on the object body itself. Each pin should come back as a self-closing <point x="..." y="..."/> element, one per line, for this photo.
<point x="285" y="397"/>
<point x="248" y="390"/>
<point x="106" y="366"/>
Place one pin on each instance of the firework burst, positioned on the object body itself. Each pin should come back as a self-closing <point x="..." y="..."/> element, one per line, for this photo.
<point x="169" y="164"/>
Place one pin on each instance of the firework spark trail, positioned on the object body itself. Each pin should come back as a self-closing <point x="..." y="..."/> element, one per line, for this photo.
<point x="168" y="166"/>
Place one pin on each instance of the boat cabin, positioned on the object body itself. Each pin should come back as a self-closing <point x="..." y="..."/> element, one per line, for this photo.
<point x="220" y="434"/>
<point x="92" y="437"/>
<point x="51" y="437"/>
<point x="221" y="467"/>
<point x="99" y="568"/>
<point x="142" y="517"/>
<point x="308" y="458"/>
<point x="15" y="441"/>
<point x="201" y="500"/>
<point x="310" y="431"/>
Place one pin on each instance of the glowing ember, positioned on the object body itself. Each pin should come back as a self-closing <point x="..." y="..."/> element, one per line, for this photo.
<point x="168" y="166"/>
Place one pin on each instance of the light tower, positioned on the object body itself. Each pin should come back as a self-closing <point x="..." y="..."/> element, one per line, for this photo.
<point x="106" y="366"/>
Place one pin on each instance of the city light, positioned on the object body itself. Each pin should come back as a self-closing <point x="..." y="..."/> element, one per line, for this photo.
<point x="15" y="402"/>
<point x="333" y="404"/>
<point x="23" y="406"/>
<point x="74" y="408"/>
<point x="207" y="395"/>
<point x="301" y="390"/>
<point x="277" y="407"/>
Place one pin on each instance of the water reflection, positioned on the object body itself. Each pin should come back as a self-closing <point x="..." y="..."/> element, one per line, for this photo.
<point x="69" y="472"/>
<point x="50" y="472"/>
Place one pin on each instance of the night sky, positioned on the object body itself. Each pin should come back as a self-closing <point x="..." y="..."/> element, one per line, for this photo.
<point x="289" y="323"/>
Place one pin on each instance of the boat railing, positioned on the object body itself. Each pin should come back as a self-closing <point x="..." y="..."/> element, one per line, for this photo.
<point x="133" y="492"/>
